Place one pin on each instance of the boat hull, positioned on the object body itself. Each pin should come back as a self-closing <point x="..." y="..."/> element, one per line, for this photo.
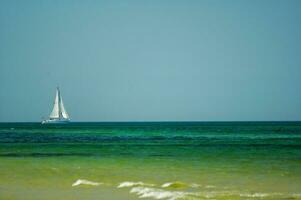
<point x="55" y="121"/>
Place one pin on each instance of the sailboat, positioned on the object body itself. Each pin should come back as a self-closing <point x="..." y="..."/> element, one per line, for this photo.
<point x="59" y="114"/>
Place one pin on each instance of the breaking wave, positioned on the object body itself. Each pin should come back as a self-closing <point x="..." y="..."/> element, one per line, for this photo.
<point x="145" y="192"/>
<point x="132" y="184"/>
<point x="157" y="193"/>
<point x="85" y="182"/>
<point x="175" y="185"/>
<point x="179" y="191"/>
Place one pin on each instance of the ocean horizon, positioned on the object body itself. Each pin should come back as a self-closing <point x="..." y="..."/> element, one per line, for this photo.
<point x="199" y="121"/>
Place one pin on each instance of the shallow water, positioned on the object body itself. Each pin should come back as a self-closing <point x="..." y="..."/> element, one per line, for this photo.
<point x="212" y="160"/>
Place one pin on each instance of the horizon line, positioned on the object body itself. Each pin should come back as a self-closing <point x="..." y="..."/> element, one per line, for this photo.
<point x="164" y="121"/>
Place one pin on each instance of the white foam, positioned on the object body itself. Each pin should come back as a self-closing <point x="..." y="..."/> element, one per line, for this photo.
<point x="132" y="184"/>
<point x="260" y="195"/>
<point x="175" y="184"/>
<point x="145" y="192"/>
<point x="159" y="193"/>
<point x="166" y="184"/>
<point x="195" y="185"/>
<point x="85" y="182"/>
<point x="210" y="186"/>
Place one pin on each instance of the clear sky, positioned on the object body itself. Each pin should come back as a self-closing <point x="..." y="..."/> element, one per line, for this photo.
<point x="151" y="60"/>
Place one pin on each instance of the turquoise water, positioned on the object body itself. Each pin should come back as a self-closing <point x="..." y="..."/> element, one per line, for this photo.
<point x="191" y="160"/>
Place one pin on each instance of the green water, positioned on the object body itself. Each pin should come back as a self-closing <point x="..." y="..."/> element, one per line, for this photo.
<point x="212" y="160"/>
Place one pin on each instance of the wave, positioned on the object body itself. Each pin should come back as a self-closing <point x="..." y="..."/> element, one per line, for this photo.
<point x="167" y="191"/>
<point x="145" y="192"/>
<point x="170" y="185"/>
<point x="159" y="193"/>
<point x="175" y="185"/>
<point x="132" y="184"/>
<point x="182" y="185"/>
<point x="85" y="182"/>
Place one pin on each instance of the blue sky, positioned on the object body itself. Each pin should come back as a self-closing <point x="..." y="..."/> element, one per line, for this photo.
<point x="151" y="60"/>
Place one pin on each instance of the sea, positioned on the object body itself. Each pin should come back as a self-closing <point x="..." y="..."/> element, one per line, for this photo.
<point x="150" y="160"/>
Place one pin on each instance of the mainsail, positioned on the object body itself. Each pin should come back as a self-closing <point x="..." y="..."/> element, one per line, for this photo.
<point x="55" y="111"/>
<point x="63" y="110"/>
<point x="58" y="111"/>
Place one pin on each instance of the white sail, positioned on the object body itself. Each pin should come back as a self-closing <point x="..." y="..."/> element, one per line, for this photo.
<point x="59" y="114"/>
<point x="55" y="111"/>
<point x="63" y="110"/>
